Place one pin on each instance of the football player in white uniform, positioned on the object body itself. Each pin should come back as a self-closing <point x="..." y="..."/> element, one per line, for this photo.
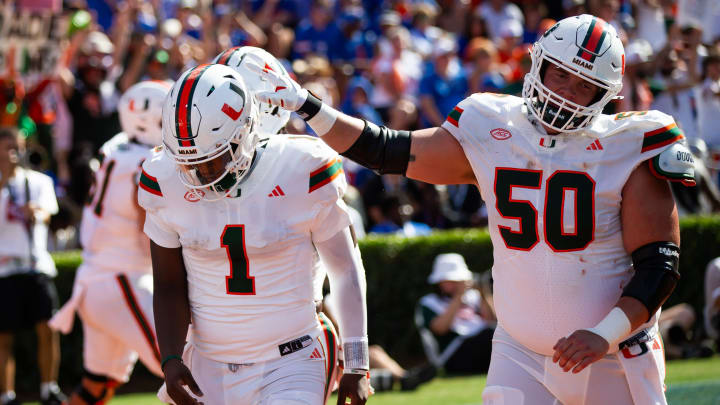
<point x="113" y="287"/>
<point x="584" y="227"/>
<point x="272" y="121"/>
<point x="237" y="225"/>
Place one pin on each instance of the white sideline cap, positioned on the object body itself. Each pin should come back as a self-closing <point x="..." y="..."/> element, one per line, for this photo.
<point x="449" y="267"/>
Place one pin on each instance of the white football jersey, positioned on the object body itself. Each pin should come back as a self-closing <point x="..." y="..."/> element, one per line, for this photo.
<point x="251" y="259"/>
<point x="110" y="230"/>
<point x="554" y="210"/>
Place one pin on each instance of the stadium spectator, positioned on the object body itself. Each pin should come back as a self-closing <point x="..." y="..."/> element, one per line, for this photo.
<point x="318" y="34"/>
<point x="27" y="292"/>
<point x="498" y="14"/>
<point x="460" y="318"/>
<point x="394" y="218"/>
<point x="443" y="85"/>
<point x="675" y="78"/>
<point x="709" y="101"/>
<point x="357" y="98"/>
<point x="486" y="73"/>
<point x="711" y="314"/>
<point x="638" y="66"/>
<point x="396" y="72"/>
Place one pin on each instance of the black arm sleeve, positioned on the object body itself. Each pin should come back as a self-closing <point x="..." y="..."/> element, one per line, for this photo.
<point x="656" y="274"/>
<point x="382" y="149"/>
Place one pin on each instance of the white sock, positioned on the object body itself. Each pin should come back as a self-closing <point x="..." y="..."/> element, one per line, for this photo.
<point x="7" y="396"/>
<point x="47" y="387"/>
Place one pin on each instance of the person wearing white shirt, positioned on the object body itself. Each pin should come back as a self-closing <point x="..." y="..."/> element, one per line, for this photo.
<point x="27" y="293"/>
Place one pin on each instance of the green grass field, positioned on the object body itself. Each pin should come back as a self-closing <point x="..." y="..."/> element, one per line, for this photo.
<point x="690" y="382"/>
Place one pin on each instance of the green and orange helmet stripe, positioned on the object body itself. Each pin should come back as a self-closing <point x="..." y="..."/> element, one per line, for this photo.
<point x="183" y="110"/>
<point x="593" y="41"/>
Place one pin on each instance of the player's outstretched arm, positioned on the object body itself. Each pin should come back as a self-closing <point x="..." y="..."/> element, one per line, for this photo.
<point x="651" y="234"/>
<point x="341" y="257"/>
<point x="431" y="155"/>
<point x="172" y="317"/>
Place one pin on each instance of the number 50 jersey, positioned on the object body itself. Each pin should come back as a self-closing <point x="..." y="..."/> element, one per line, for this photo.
<point x="250" y="259"/>
<point x="554" y="210"/>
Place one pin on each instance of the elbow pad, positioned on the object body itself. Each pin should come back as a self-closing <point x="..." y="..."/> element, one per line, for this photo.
<point x="385" y="150"/>
<point x="656" y="274"/>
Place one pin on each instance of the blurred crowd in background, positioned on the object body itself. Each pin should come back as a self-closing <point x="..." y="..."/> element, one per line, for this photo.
<point x="404" y="63"/>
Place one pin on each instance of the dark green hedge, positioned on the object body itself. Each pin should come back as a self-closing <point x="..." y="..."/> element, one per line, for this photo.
<point x="397" y="269"/>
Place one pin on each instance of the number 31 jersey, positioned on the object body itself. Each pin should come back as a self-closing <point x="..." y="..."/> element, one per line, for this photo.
<point x="250" y="259"/>
<point x="554" y="210"/>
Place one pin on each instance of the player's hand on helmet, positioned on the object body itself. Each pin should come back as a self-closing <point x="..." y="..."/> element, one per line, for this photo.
<point x="177" y="376"/>
<point x="355" y="387"/>
<point x="579" y="350"/>
<point x="288" y="94"/>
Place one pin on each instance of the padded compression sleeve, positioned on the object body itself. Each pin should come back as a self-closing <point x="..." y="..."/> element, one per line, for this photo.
<point x="382" y="149"/>
<point x="656" y="274"/>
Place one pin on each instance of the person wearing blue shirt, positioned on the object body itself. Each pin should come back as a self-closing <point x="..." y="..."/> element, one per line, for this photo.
<point x="356" y="102"/>
<point x="444" y="84"/>
<point x="318" y="34"/>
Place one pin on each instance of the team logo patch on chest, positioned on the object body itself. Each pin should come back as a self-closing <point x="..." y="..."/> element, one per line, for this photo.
<point x="194" y="195"/>
<point x="500" y="134"/>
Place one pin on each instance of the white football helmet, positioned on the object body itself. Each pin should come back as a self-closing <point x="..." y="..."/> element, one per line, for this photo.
<point x="140" y="110"/>
<point x="209" y="129"/>
<point x="585" y="46"/>
<point x="272" y="118"/>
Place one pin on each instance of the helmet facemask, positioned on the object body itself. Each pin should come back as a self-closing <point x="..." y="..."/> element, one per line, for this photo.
<point x="221" y="171"/>
<point x="555" y="111"/>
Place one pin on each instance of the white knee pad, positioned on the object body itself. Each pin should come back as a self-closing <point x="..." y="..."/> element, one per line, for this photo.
<point x="292" y="398"/>
<point x="500" y="395"/>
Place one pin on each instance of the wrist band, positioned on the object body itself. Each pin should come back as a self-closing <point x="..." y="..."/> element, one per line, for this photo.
<point x="613" y="328"/>
<point x="168" y="358"/>
<point x="310" y="107"/>
<point x="355" y="353"/>
<point x="320" y="116"/>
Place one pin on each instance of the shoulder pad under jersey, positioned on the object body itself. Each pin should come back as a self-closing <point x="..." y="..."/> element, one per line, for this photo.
<point x="675" y="163"/>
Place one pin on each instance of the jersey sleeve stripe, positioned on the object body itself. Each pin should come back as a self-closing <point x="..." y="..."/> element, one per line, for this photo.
<point x="658" y="172"/>
<point x="325" y="175"/>
<point x="150" y="184"/>
<point x="454" y="116"/>
<point x="661" y="137"/>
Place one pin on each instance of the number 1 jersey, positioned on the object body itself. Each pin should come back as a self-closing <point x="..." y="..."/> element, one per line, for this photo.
<point x="250" y="259"/>
<point x="554" y="210"/>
